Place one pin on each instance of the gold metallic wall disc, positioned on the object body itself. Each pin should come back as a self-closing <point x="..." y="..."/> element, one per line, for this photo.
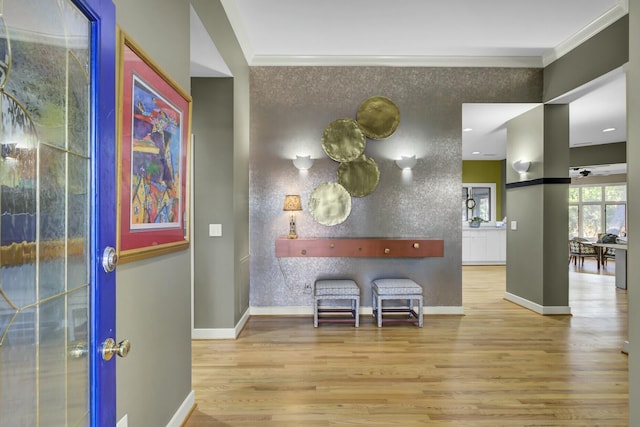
<point x="343" y="140"/>
<point x="359" y="177"/>
<point x="329" y="203"/>
<point x="378" y="117"/>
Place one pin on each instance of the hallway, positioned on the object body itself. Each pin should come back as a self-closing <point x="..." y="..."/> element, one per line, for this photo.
<point x="498" y="365"/>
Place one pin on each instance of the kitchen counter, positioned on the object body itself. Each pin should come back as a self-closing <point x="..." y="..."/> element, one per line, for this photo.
<point x="484" y="246"/>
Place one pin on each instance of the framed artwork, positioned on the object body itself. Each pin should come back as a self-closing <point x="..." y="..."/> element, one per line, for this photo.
<point x="154" y="125"/>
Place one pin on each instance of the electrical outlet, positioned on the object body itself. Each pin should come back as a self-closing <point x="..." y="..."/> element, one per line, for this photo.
<point x="307" y="288"/>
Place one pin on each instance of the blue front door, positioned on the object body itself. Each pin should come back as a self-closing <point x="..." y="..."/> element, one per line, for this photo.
<point x="57" y="175"/>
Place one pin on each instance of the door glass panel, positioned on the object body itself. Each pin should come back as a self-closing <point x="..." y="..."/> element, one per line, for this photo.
<point x="52" y="220"/>
<point x="52" y="362"/>
<point x="77" y="248"/>
<point x="78" y="124"/>
<point x="44" y="200"/>
<point x="18" y="407"/>
<point x="77" y="368"/>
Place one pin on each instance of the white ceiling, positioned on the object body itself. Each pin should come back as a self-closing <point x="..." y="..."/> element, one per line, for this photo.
<point x="429" y="32"/>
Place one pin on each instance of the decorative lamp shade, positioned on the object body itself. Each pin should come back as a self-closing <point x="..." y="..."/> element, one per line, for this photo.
<point x="292" y="203"/>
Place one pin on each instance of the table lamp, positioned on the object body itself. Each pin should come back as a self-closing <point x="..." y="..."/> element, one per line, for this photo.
<point x="292" y="204"/>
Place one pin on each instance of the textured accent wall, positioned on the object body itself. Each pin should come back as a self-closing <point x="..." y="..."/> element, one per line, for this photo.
<point x="290" y="108"/>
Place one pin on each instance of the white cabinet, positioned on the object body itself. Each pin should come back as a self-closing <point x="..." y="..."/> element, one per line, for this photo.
<point x="484" y="246"/>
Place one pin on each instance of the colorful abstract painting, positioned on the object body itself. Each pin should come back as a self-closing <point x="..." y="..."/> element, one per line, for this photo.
<point x="155" y="154"/>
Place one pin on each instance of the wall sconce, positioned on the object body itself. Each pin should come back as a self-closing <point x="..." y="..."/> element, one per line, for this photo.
<point x="303" y="162"/>
<point x="520" y="166"/>
<point x="407" y="162"/>
<point x="292" y="204"/>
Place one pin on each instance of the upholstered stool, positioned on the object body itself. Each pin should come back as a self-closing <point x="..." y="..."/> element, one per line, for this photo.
<point x="337" y="289"/>
<point x="396" y="289"/>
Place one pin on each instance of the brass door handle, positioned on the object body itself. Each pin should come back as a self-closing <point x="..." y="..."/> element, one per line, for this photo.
<point x="109" y="348"/>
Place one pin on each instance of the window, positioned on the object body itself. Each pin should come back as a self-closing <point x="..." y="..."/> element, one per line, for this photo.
<point x="478" y="200"/>
<point x="595" y="209"/>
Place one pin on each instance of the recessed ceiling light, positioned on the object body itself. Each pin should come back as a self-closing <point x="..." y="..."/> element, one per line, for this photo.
<point x="476" y="152"/>
<point x="608" y="130"/>
<point x="467" y="130"/>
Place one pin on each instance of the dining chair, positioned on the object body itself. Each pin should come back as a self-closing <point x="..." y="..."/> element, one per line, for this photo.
<point x="579" y="250"/>
<point x="608" y="253"/>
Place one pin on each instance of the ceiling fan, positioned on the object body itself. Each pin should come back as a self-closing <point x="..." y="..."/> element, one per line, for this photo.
<point x="582" y="172"/>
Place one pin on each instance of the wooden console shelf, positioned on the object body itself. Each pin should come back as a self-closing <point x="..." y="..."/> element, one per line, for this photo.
<point x="372" y="248"/>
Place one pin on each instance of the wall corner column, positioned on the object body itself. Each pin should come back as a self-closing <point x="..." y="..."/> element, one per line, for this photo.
<point x="537" y="209"/>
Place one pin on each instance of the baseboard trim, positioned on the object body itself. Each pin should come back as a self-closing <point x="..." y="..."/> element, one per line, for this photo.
<point x="221" y="333"/>
<point x="444" y="310"/>
<point x="232" y="333"/>
<point x="183" y="411"/>
<point x="308" y="311"/>
<point x="540" y="309"/>
<point x="282" y="311"/>
<point x="243" y="321"/>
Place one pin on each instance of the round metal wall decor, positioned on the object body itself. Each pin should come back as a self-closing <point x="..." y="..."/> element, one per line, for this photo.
<point x="329" y="203"/>
<point x="378" y="117"/>
<point x="343" y="140"/>
<point x="359" y="177"/>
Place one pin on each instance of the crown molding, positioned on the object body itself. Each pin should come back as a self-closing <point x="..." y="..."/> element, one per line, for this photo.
<point x="398" y="61"/>
<point x="233" y="14"/>
<point x="608" y="18"/>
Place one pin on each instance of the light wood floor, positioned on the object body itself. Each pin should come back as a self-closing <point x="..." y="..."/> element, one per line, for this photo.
<point x="498" y="365"/>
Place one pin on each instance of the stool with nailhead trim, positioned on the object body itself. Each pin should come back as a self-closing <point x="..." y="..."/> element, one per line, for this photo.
<point x="396" y="289"/>
<point x="336" y="289"/>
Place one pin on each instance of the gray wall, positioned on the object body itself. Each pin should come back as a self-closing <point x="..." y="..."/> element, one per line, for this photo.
<point x="549" y="286"/>
<point x="154" y="295"/>
<point x="598" y="154"/>
<point x="525" y="140"/>
<point x="213" y="194"/>
<point x="633" y="206"/>
<point x="291" y="106"/>
<point x="217" y="25"/>
<point x="597" y="56"/>
<point x="536" y="267"/>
